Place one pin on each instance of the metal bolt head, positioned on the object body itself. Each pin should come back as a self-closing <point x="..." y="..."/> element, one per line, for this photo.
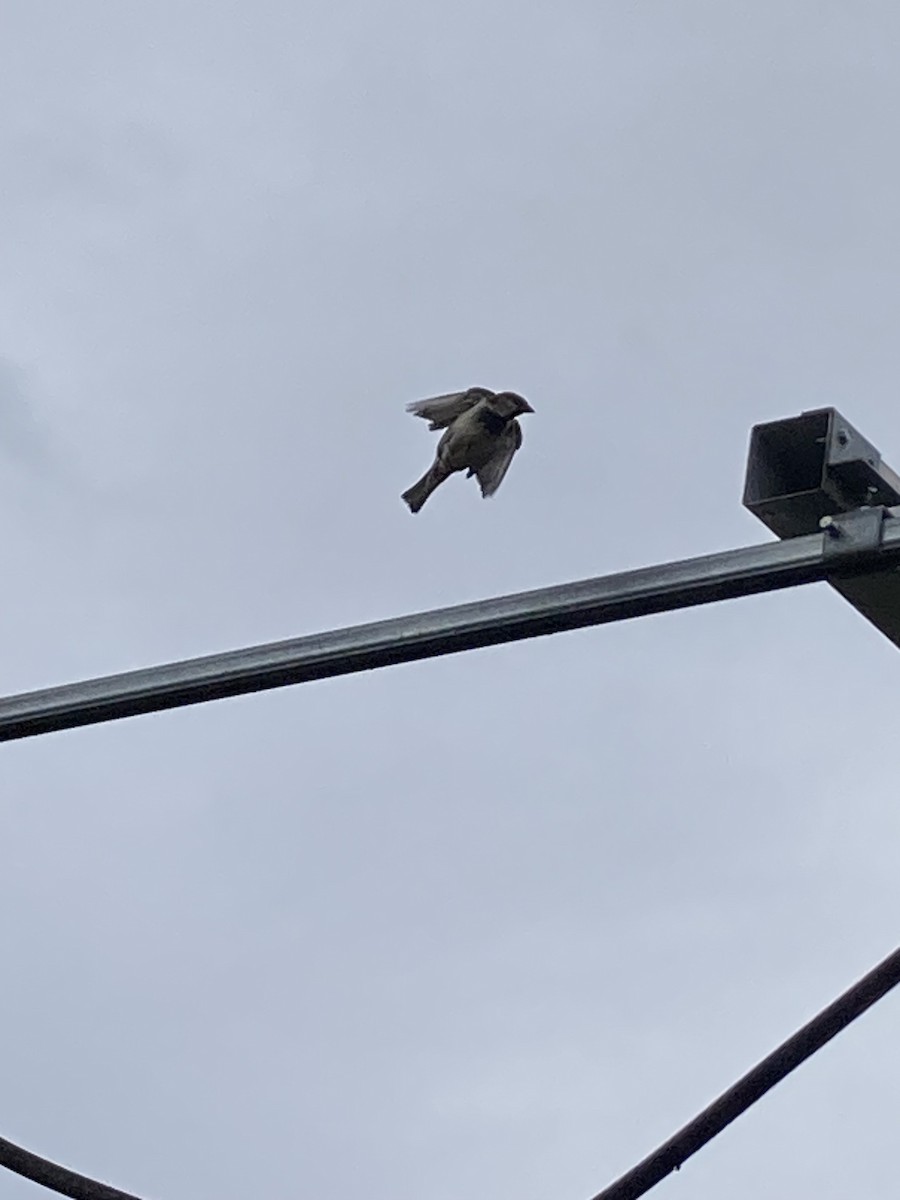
<point x="831" y="530"/>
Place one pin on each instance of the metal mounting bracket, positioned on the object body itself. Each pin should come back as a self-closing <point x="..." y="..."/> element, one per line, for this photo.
<point x="816" y="471"/>
<point x="852" y="534"/>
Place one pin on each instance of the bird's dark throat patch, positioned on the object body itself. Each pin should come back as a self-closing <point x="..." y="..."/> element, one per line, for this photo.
<point x="493" y="422"/>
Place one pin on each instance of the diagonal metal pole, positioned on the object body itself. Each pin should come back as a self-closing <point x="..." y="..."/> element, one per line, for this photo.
<point x="773" y="1068"/>
<point x="690" y="582"/>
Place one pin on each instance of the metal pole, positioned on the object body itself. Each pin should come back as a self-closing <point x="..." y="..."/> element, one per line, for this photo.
<point x="598" y="601"/>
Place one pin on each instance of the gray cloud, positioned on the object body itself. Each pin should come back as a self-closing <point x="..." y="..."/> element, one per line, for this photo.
<point x="24" y="439"/>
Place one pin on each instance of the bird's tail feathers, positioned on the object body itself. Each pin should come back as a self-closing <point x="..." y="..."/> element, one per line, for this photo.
<point x="416" y="496"/>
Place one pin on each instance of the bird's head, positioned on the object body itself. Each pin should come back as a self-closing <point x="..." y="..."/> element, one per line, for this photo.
<point x="510" y="404"/>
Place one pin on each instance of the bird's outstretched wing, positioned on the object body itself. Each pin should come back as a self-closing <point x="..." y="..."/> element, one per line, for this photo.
<point x="441" y="411"/>
<point x="490" y="476"/>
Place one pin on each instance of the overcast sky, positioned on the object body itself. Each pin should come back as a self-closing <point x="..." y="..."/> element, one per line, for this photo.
<point x="492" y="925"/>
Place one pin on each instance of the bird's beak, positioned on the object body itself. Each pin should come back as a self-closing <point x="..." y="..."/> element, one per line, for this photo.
<point x="525" y="407"/>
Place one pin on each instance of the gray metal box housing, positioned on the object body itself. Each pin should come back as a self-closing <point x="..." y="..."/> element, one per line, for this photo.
<point x="817" y="465"/>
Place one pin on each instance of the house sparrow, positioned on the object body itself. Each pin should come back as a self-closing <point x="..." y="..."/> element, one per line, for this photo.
<point x="482" y="434"/>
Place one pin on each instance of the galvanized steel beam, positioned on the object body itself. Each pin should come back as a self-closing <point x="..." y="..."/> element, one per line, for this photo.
<point x="684" y="584"/>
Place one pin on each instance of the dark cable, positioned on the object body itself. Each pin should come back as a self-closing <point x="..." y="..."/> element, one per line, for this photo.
<point x="636" y="1182"/>
<point x="789" y="1055"/>
<point x="56" y="1178"/>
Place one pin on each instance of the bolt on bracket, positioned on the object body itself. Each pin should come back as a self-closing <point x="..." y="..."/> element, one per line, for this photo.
<point x="851" y="534"/>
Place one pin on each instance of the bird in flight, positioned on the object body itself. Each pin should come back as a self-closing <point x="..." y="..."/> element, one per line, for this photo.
<point x="481" y="435"/>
